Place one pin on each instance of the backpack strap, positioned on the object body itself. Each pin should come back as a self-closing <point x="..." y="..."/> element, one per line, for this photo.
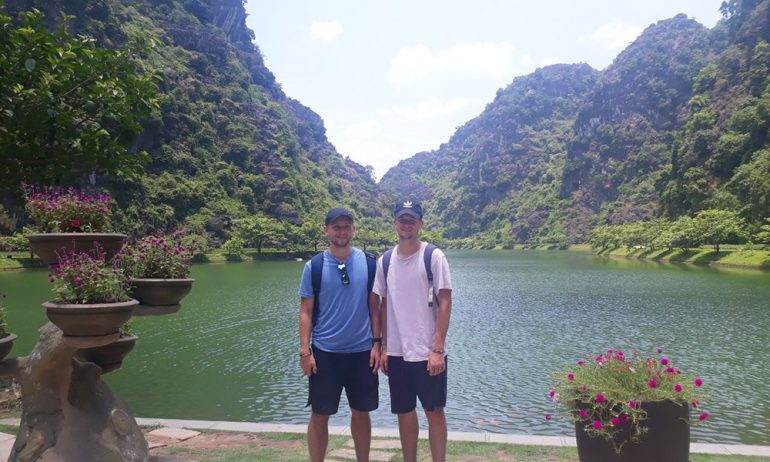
<point x="427" y="260"/>
<point x="316" y="269"/>
<point x="386" y="263"/>
<point x="371" y="266"/>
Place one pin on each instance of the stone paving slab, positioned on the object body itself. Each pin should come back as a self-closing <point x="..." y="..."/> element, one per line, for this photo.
<point x="179" y="434"/>
<point x="351" y="454"/>
<point x="6" y="444"/>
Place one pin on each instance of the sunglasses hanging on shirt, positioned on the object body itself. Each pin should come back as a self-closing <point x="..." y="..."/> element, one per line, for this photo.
<point x="343" y="274"/>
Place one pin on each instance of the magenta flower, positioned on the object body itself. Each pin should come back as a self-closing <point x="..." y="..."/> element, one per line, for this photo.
<point x="600" y="398"/>
<point x="598" y="424"/>
<point x="632" y="404"/>
<point x="581" y="362"/>
<point x="624" y="417"/>
<point x="571" y="376"/>
<point x="677" y="388"/>
<point x="664" y="361"/>
<point x="660" y="350"/>
<point x="583" y="413"/>
<point x="548" y="417"/>
<point x="652" y="383"/>
<point x="551" y="393"/>
<point x="615" y="421"/>
<point x="698" y="382"/>
<point x="704" y="416"/>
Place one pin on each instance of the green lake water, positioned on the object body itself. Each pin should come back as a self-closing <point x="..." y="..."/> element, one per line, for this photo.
<point x="231" y="352"/>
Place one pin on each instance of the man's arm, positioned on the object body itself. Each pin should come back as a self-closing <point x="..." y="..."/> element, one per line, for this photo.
<point x="436" y="362"/>
<point x="374" y="318"/>
<point x="384" y="329"/>
<point x="306" y="359"/>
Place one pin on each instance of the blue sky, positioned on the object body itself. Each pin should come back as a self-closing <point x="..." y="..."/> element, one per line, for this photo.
<point x="393" y="78"/>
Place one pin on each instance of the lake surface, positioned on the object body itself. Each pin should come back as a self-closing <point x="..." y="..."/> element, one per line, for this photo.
<point x="231" y="352"/>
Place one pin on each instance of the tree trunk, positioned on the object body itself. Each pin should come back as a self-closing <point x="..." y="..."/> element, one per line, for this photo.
<point x="68" y="413"/>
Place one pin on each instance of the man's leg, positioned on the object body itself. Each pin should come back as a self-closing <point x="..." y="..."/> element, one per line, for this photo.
<point x="361" y="429"/>
<point x="317" y="436"/>
<point x="409" y="431"/>
<point x="437" y="433"/>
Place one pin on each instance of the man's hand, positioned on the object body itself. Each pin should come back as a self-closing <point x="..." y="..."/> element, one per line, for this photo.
<point x="374" y="358"/>
<point x="384" y="360"/>
<point x="307" y="363"/>
<point x="436" y="363"/>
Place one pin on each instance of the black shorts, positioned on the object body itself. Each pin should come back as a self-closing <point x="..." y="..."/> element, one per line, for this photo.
<point x="342" y="370"/>
<point x="410" y="380"/>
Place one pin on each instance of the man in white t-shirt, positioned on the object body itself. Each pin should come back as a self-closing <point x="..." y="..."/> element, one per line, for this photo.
<point x="415" y="320"/>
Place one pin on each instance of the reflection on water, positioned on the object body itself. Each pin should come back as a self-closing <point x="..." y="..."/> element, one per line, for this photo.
<point x="231" y="352"/>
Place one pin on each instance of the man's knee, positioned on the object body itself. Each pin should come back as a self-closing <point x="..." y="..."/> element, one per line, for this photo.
<point x="319" y="419"/>
<point x="436" y="413"/>
<point x="359" y="414"/>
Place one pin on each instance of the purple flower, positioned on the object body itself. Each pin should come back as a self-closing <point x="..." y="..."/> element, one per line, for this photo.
<point x="600" y="398"/>
<point x="664" y="361"/>
<point x="597" y="424"/>
<point x="548" y="417"/>
<point x="583" y="413"/>
<point x="652" y="383"/>
<point x="615" y="421"/>
<point x="677" y="388"/>
<point x="698" y="382"/>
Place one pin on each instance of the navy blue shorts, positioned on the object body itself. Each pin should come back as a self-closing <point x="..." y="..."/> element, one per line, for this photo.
<point x="336" y="371"/>
<point x="410" y="380"/>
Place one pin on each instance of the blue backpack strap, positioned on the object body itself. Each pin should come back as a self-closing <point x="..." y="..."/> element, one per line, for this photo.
<point x="316" y="269"/>
<point x="371" y="266"/>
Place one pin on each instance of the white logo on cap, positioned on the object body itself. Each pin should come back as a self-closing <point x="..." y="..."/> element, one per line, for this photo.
<point x="408" y="204"/>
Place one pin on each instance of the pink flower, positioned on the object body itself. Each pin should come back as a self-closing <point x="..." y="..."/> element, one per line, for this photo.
<point x="571" y="376"/>
<point x="660" y="350"/>
<point x="581" y="362"/>
<point x="600" y="398"/>
<point x="548" y="417"/>
<point x="695" y="404"/>
<point x="583" y="413"/>
<point x="704" y="416"/>
<point x="598" y="424"/>
<point x="670" y="370"/>
<point x="623" y="417"/>
<point x="698" y="382"/>
<point x="677" y="388"/>
<point x="584" y="388"/>
<point x="632" y="404"/>
<point x="615" y="421"/>
<point x="664" y="361"/>
<point x="551" y="393"/>
<point x="652" y="383"/>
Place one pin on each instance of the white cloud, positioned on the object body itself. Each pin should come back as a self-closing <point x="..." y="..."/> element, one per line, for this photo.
<point x="420" y="62"/>
<point x="426" y="109"/>
<point x="612" y="36"/>
<point x="325" y="30"/>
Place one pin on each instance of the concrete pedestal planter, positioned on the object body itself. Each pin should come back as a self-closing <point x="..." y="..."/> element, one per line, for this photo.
<point x="6" y="344"/>
<point x="160" y="292"/>
<point x="108" y="357"/>
<point x="667" y="438"/>
<point x="46" y="245"/>
<point x="89" y="320"/>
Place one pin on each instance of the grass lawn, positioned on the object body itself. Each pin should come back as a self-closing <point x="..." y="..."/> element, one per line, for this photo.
<point x="286" y="447"/>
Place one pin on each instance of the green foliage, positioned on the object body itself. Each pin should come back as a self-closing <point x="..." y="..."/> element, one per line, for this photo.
<point x="720" y="226"/>
<point x="4" y="328"/>
<point x="155" y="257"/>
<point x="255" y="231"/>
<point x="17" y="242"/>
<point x="68" y="107"/>
<point x="233" y="248"/>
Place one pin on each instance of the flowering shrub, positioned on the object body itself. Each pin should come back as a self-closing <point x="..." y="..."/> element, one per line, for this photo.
<point x="80" y="278"/>
<point x="155" y="256"/>
<point x="59" y="210"/>
<point x="606" y="391"/>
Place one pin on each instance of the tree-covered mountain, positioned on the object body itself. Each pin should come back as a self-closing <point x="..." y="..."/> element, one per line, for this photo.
<point x="226" y="141"/>
<point x="678" y="123"/>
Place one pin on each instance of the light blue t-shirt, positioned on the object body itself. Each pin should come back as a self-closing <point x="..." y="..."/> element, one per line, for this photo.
<point x="342" y="324"/>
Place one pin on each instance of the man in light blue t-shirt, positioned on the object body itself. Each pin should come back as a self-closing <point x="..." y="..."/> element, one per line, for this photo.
<point x="345" y="328"/>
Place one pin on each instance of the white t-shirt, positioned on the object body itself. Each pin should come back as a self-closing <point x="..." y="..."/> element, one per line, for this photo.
<point x="411" y="322"/>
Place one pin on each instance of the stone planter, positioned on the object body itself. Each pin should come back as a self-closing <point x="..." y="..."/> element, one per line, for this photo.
<point x="46" y="245"/>
<point x="108" y="357"/>
<point x="160" y="292"/>
<point x="667" y="438"/>
<point x="89" y="320"/>
<point x="6" y="344"/>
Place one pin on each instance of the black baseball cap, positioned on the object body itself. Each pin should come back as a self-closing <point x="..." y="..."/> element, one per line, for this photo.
<point x="336" y="213"/>
<point x="408" y="207"/>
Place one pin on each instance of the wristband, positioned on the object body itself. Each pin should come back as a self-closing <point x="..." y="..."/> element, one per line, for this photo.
<point x="437" y="351"/>
<point x="377" y="340"/>
<point x="305" y="355"/>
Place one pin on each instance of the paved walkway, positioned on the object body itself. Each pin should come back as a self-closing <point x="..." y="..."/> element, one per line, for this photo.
<point x="6" y="441"/>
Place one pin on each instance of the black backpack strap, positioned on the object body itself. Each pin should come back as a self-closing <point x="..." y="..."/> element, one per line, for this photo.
<point x="427" y="260"/>
<point x="386" y="263"/>
<point x="371" y="266"/>
<point x="316" y="269"/>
